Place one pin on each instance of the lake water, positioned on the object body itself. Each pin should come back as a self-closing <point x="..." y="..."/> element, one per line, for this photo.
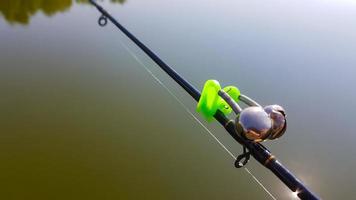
<point x="80" y="117"/>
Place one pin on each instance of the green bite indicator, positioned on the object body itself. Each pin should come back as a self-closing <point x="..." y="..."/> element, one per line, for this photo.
<point x="210" y="101"/>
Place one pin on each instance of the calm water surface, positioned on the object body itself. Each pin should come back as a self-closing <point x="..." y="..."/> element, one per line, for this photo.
<point x="81" y="119"/>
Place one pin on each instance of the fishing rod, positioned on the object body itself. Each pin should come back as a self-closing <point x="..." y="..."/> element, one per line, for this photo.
<point x="256" y="149"/>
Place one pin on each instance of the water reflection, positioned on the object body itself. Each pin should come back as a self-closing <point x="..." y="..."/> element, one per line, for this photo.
<point x="21" y="11"/>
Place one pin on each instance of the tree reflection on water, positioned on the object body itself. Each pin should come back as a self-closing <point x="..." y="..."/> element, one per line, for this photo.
<point x="21" y="11"/>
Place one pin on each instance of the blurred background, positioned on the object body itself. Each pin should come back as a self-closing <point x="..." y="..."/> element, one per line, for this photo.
<point x="80" y="117"/>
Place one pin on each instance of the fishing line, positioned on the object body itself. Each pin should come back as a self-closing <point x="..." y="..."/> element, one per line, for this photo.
<point x="193" y="116"/>
<point x="255" y="148"/>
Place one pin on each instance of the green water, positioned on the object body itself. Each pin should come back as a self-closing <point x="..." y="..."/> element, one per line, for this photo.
<point x="80" y="118"/>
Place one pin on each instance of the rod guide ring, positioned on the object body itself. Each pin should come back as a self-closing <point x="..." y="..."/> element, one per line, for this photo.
<point x="103" y="21"/>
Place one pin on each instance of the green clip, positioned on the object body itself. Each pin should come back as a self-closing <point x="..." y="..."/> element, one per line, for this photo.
<point x="210" y="101"/>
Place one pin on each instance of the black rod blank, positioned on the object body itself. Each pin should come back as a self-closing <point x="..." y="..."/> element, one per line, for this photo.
<point x="257" y="150"/>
